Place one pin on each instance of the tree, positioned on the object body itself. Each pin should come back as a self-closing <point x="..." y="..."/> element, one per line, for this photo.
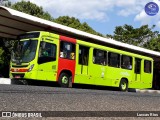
<point x="32" y="9"/>
<point x="75" y="23"/>
<point x="136" y="36"/>
<point x="5" y="48"/>
<point x="6" y="44"/>
<point x="153" y="44"/>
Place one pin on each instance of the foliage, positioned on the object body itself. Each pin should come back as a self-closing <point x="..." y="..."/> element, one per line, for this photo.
<point x="75" y="23"/>
<point x="32" y="9"/>
<point x="143" y="36"/>
<point x="153" y="44"/>
<point x="5" y="48"/>
<point x="1" y="58"/>
<point x="136" y="36"/>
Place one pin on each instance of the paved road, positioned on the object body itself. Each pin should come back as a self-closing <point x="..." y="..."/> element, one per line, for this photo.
<point x="40" y="98"/>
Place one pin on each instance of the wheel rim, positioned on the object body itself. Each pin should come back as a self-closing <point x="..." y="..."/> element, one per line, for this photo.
<point x="64" y="80"/>
<point x="124" y="85"/>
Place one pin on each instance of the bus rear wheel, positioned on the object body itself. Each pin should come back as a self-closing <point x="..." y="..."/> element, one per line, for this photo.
<point x="65" y="80"/>
<point x="123" y="86"/>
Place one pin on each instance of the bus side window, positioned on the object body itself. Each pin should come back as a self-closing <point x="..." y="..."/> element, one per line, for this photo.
<point x="126" y="62"/>
<point x="113" y="59"/>
<point x="83" y="55"/>
<point x="137" y="65"/>
<point x="67" y="50"/>
<point x="99" y="57"/>
<point x="147" y="66"/>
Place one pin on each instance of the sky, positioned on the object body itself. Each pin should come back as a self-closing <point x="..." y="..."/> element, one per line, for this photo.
<point x="102" y="15"/>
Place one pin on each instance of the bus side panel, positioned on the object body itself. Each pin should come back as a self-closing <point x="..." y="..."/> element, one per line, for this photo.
<point x="66" y="65"/>
<point x="113" y="76"/>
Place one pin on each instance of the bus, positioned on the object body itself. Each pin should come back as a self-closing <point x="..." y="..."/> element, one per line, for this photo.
<point x="45" y="56"/>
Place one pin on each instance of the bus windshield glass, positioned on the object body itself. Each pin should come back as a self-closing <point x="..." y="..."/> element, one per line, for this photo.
<point x="24" y="51"/>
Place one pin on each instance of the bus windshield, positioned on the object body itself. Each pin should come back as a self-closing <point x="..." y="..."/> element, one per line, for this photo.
<point x="24" y="51"/>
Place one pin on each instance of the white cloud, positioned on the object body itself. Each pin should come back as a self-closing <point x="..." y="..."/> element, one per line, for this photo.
<point x="158" y="24"/>
<point x="143" y="17"/>
<point x="98" y="9"/>
<point x="83" y="9"/>
<point x="131" y="7"/>
<point x="91" y="9"/>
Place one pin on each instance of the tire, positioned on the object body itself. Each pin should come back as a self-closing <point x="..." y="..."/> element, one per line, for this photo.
<point x="65" y="80"/>
<point x="123" y="86"/>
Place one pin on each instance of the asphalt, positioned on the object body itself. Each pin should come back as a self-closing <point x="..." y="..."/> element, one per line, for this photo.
<point x="47" y="98"/>
<point x="7" y="81"/>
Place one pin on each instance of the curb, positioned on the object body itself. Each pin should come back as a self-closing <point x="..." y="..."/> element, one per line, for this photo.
<point x="147" y="91"/>
<point x="5" y="81"/>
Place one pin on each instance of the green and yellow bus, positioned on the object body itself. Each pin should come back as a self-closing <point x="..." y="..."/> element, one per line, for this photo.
<point x="46" y="56"/>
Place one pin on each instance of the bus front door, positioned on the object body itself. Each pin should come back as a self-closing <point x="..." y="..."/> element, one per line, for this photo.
<point x="137" y="70"/>
<point x="47" y="61"/>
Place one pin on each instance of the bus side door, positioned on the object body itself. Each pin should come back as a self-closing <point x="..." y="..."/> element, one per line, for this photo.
<point x="137" y="70"/>
<point x="82" y="65"/>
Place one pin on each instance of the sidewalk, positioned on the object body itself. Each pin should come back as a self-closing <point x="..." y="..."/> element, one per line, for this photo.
<point x="148" y="91"/>
<point x="5" y="81"/>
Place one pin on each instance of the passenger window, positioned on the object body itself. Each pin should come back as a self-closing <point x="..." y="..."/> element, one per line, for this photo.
<point x="83" y="55"/>
<point x="147" y="66"/>
<point x="138" y="65"/>
<point x="126" y="62"/>
<point x="67" y="50"/>
<point x="99" y="57"/>
<point x="113" y="59"/>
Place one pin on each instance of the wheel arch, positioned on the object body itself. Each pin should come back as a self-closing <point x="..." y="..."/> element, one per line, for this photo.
<point x="124" y="78"/>
<point x="66" y="71"/>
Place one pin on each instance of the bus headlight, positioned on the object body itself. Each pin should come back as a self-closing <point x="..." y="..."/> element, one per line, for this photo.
<point x="31" y="67"/>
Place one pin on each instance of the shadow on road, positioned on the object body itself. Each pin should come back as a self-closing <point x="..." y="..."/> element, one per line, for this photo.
<point x="78" y="86"/>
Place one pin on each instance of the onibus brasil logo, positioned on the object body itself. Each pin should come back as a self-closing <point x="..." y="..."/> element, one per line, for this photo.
<point x="151" y="8"/>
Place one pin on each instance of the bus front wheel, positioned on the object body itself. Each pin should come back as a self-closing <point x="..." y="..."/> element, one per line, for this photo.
<point x="123" y="86"/>
<point x="65" y="80"/>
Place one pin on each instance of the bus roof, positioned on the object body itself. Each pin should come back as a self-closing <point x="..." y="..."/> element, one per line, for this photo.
<point x="14" y="23"/>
